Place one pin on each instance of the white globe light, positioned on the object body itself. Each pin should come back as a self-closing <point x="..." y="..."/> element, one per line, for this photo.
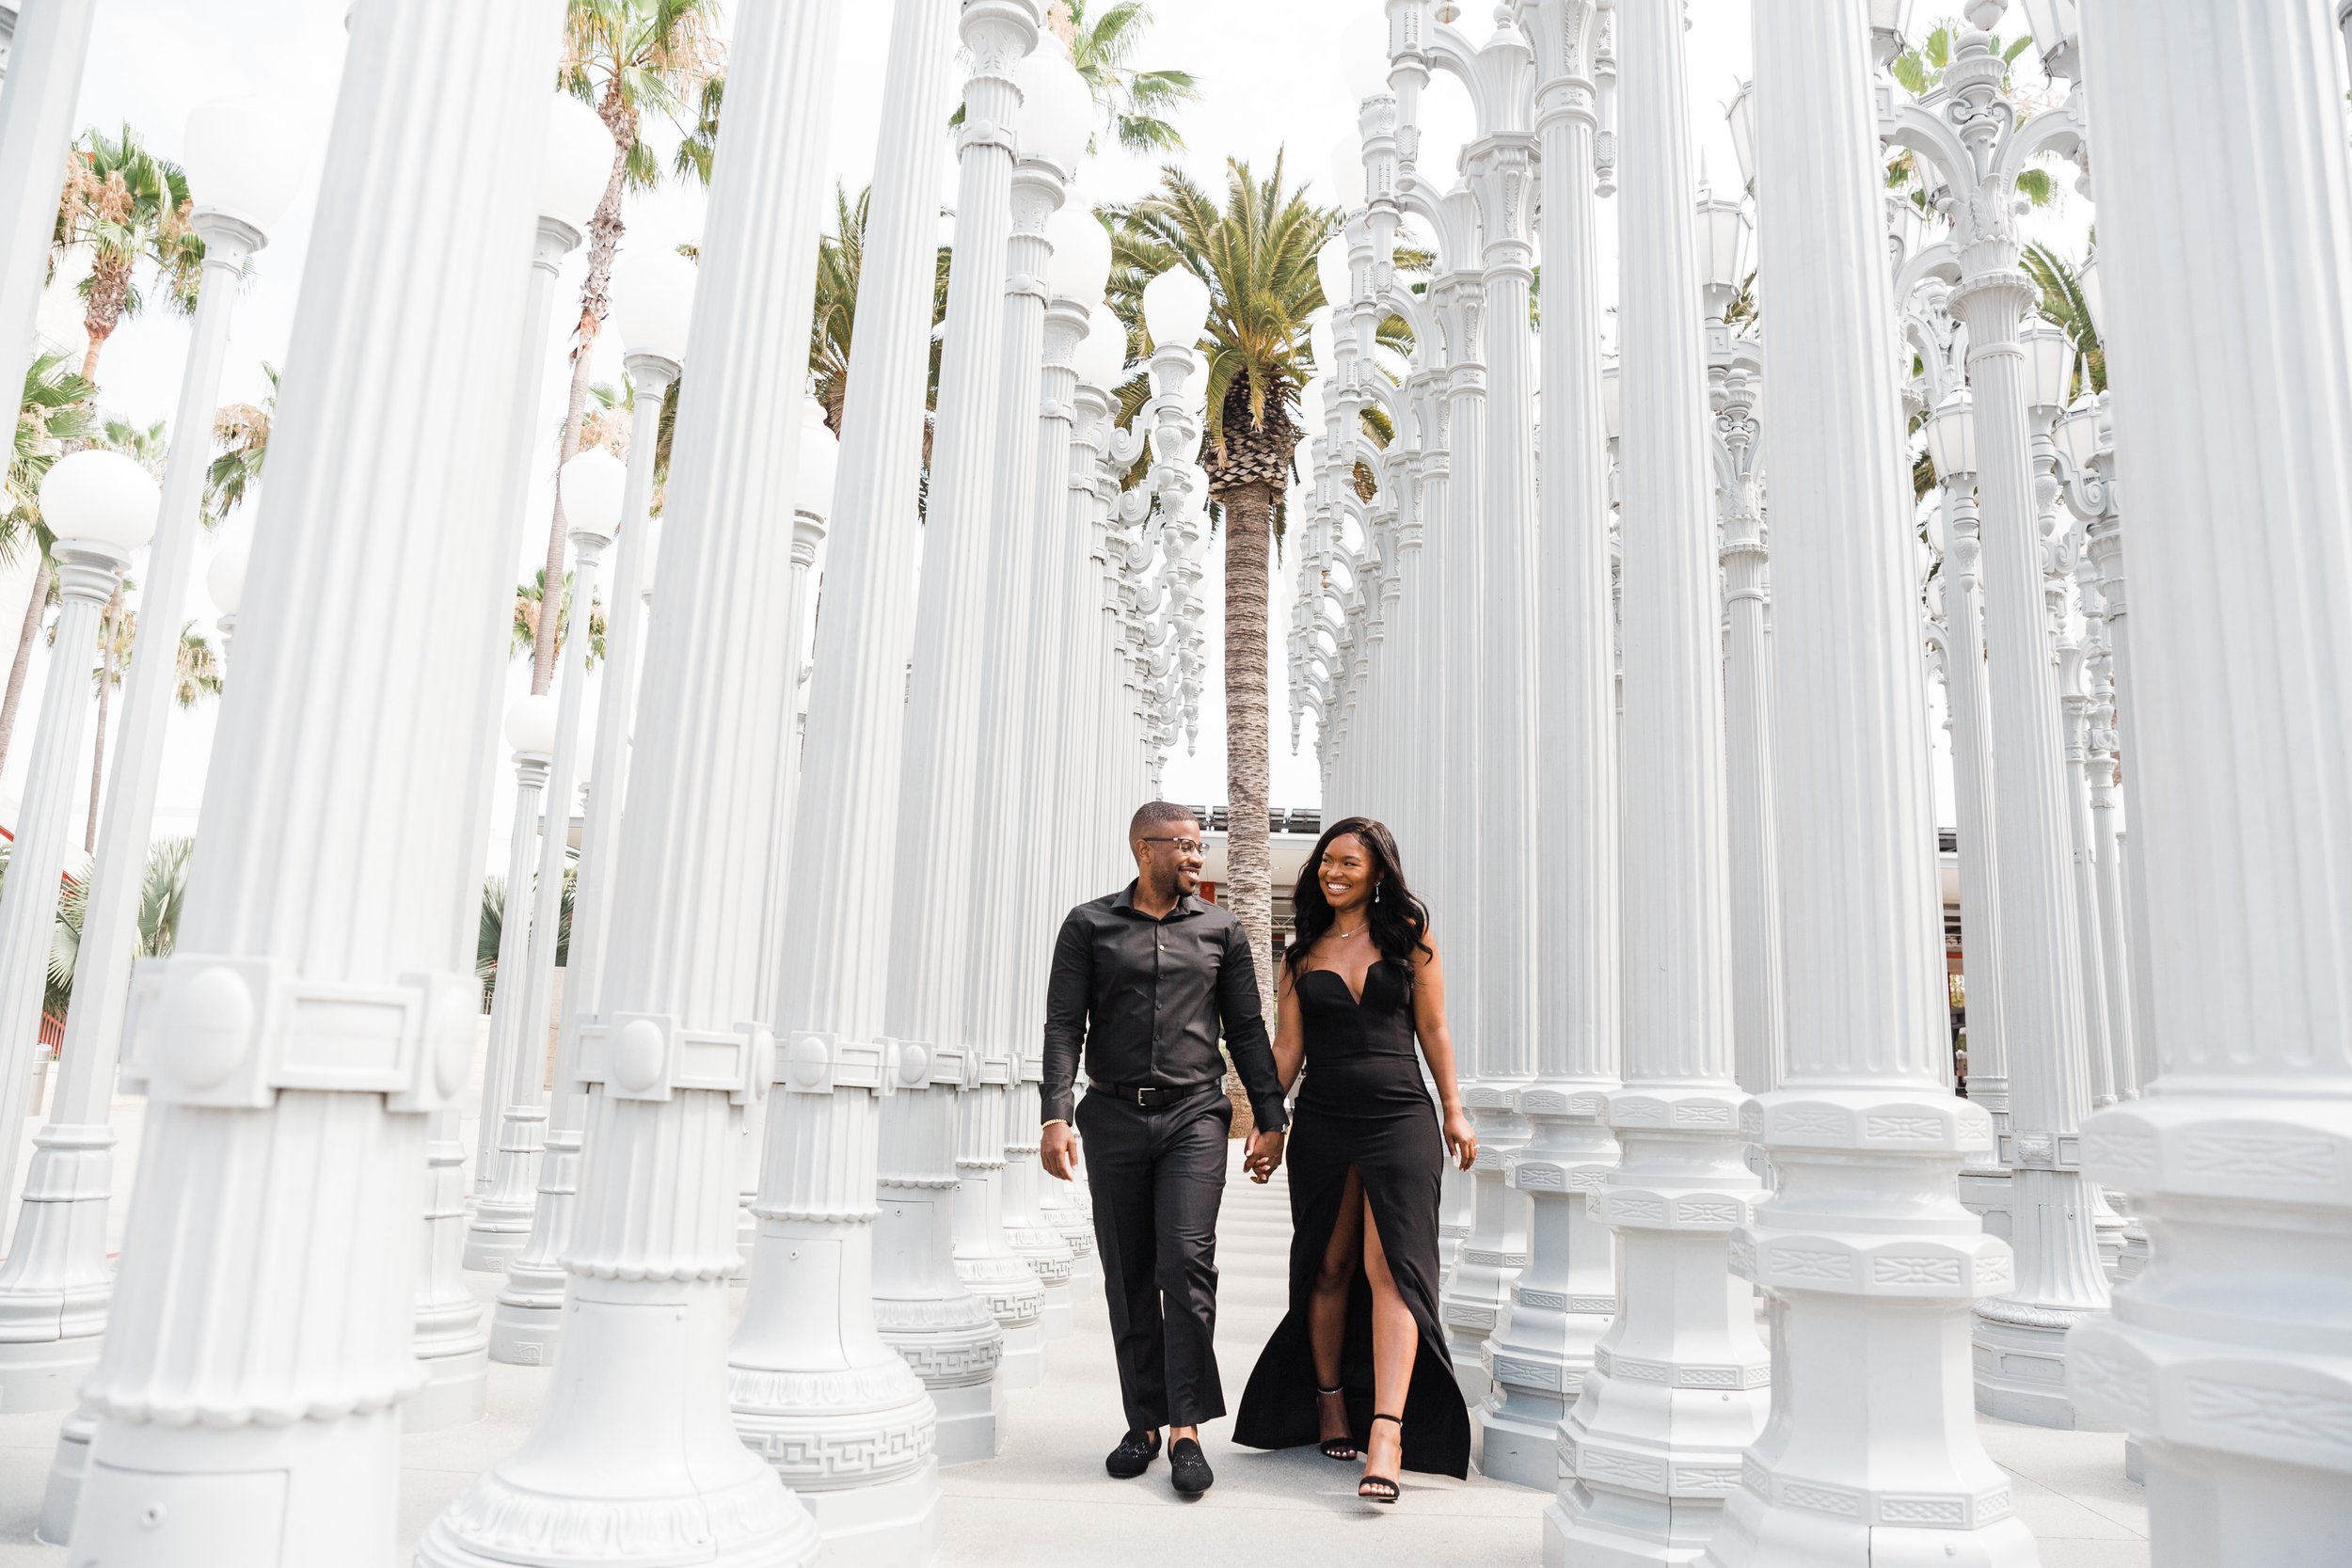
<point x="531" y="724"/>
<point x="1103" y="357"/>
<point x="225" y="579"/>
<point x="820" y="460"/>
<point x="577" y="162"/>
<point x="593" y="485"/>
<point x="1081" y="267"/>
<point x="1176" y="307"/>
<point x="1331" y="267"/>
<point x="242" y="159"/>
<point x="1056" y="110"/>
<point x="100" y="497"/>
<point x="1347" y="173"/>
<point x="652" y="301"/>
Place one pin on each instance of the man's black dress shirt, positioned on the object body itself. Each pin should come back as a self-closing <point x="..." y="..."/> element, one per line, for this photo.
<point x="1142" y="1000"/>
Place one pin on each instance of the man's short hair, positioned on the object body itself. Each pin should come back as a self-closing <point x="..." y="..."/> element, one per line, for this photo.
<point x="1157" y="814"/>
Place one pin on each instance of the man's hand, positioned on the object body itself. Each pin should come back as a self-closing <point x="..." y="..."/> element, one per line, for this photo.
<point x="1058" y="1150"/>
<point x="1263" y="1154"/>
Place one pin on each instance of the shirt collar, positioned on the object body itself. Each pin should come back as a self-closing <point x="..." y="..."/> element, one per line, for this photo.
<point x="1124" y="901"/>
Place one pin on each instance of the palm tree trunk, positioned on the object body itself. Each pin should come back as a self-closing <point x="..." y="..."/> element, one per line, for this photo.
<point x="1249" y="866"/>
<point x="106" y="690"/>
<point x="604" y="244"/>
<point x="24" y="661"/>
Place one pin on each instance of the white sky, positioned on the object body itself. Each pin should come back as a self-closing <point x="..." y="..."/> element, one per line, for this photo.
<point x="1269" y="82"/>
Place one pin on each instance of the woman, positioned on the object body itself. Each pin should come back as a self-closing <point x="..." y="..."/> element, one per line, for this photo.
<point x="1359" y="1365"/>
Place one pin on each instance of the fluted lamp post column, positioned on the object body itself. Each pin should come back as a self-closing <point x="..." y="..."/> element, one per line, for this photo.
<point x="635" y="1458"/>
<point x="1007" y="993"/>
<point x="309" y="1022"/>
<point x="923" y="997"/>
<point x="102" y="507"/>
<point x="1077" y="271"/>
<point x="55" y="1286"/>
<point x="1869" y="1261"/>
<point x="1678" y="1386"/>
<point x="574" y="167"/>
<point x="1560" y="1304"/>
<point x="45" y="76"/>
<point x="2229" y="1357"/>
<point x="653" y="298"/>
<point x="593" y="484"/>
<point x="836" y="974"/>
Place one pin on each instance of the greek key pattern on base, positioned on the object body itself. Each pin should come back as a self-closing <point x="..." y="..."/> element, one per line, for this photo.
<point x="819" y="1458"/>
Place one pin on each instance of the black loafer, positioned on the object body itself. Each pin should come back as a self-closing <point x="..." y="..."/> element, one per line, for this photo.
<point x="1188" y="1469"/>
<point x="1133" y="1455"/>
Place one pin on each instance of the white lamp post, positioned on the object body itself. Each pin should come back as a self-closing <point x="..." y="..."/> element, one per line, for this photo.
<point x="2019" y="1336"/>
<point x="836" y="975"/>
<point x="531" y="733"/>
<point x="312" y="1018"/>
<point x="653" y="296"/>
<point x="593" y="484"/>
<point x="54" y="1285"/>
<point x="1650" y="1472"/>
<point x="925" y="997"/>
<point x="672" y="1055"/>
<point x="2225" y="1356"/>
<point x="102" y="507"/>
<point x="1866" y="1254"/>
<point x="574" y="164"/>
<point x="1077" y="269"/>
<point x="45" y="60"/>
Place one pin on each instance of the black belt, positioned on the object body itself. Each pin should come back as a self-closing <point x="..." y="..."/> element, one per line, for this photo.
<point x="1147" y="1096"/>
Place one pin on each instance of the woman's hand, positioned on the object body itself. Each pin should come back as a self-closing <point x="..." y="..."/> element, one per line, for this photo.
<point x="1459" y="1138"/>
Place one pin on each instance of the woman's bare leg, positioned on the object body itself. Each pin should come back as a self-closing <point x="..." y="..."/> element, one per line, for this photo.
<point x="1395" y="1340"/>
<point x="1326" y="1308"/>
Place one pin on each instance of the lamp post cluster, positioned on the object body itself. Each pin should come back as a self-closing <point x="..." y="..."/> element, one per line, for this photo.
<point x="1710" y="933"/>
<point x="1736" y="1260"/>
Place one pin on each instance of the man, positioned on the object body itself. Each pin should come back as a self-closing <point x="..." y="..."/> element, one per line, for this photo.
<point x="1141" y="981"/>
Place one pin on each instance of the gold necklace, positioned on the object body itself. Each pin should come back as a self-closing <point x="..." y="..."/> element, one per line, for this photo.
<point x="1343" y="936"/>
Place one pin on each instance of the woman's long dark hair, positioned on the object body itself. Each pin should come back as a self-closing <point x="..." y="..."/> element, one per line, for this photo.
<point x="1398" y="922"/>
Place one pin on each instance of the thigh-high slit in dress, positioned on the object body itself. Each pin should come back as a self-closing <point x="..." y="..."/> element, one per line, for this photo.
<point x="1363" y="1104"/>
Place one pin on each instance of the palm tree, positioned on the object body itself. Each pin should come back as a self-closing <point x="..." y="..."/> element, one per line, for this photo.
<point x="163" y="893"/>
<point x="491" y="924"/>
<point x="129" y="207"/>
<point x="241" y="431"/>
<point x="530" y="595"/>
<point x="840" y="263"/>
<point x="1135" y="104"/>
<point x="628" y="59"/>
<point x="1257" y="255"/>
<point x="2064" y="303"/>
<point x="54" y="411"/>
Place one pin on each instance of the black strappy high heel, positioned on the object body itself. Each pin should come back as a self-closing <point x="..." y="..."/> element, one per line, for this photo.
<point x="1337" y="1447"/>
<point x="1382" y="1489"/>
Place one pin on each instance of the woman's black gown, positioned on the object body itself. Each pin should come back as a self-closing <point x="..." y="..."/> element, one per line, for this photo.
<point x="1363" y="1105"/>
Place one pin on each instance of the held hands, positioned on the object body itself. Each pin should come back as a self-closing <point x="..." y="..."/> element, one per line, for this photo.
<point x="1459" y="1138"/>
<point x="1058" y="1150"/>
<point x="1263" y="1154"/>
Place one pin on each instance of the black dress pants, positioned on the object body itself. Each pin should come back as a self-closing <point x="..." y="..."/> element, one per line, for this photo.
<point x="1158" y="1177"/>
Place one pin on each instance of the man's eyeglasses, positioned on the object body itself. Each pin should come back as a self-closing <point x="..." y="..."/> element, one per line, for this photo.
<point x="1184" y="846"/>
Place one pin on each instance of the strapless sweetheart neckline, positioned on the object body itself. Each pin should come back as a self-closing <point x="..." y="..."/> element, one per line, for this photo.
<point x="1353" y="994"/>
